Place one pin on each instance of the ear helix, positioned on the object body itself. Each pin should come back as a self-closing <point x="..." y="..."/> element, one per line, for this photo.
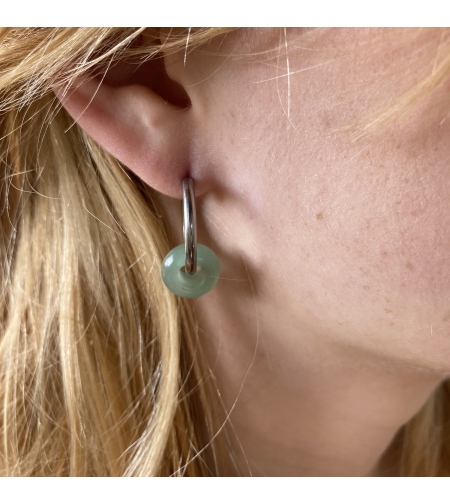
<point x="190" y="270"/>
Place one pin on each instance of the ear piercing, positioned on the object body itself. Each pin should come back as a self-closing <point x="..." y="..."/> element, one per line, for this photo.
<point x="190" y="270"/>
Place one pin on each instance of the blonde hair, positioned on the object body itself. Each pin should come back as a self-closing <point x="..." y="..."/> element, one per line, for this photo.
<point x="100" y="369"/>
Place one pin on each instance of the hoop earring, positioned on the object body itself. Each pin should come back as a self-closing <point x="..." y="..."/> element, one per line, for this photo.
<point x="190" y="270"/>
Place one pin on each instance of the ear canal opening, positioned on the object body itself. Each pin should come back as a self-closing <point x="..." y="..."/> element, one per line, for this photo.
<point x="151" y="74"/>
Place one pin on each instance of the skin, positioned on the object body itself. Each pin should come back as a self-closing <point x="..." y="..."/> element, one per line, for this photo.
<point x="330" y="327"/>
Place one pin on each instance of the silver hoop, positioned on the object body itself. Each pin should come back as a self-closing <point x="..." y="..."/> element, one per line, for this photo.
<point x="189" y="226"/>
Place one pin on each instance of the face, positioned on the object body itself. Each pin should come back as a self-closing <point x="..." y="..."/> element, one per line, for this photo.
<point x="344" y="239"/>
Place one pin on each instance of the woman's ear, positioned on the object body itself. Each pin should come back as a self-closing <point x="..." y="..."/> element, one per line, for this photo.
<point x="140" y="116"/>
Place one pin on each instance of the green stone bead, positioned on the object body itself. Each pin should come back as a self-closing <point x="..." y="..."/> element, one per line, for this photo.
<point x="190" y="285"/>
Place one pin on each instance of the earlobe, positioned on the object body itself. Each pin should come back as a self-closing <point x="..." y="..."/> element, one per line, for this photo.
<point x="137" y="126"/>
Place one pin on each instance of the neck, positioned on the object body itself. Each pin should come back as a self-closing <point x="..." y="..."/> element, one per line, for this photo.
<point x="302" y="398"/>
<point x="299" y="403"/>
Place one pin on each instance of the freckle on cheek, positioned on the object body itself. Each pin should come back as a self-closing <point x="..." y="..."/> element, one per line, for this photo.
<point x="366" y="287"/>
<point x="409" y="266"/>
<point x="319" y="216"/>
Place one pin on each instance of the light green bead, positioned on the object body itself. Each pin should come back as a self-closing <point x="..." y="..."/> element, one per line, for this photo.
<point x="190" y="285"/>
